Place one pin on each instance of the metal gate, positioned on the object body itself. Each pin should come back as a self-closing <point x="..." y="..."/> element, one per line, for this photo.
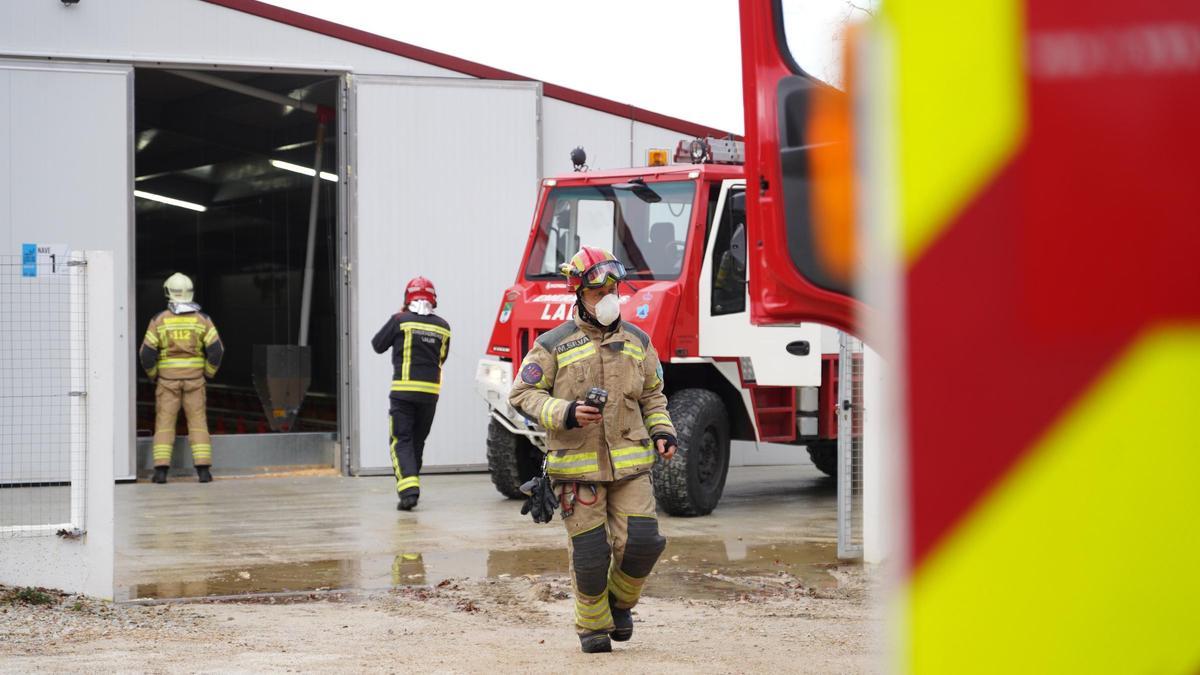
<point x="850" y="447"/>
<point x="43" y="410"/>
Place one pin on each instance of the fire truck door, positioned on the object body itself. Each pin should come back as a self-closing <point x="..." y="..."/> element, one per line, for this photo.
<point x="787" y="355"/>
<point x="800" y="223"/>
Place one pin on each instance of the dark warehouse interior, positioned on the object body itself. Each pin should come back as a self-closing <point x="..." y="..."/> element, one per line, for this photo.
<point x="238" y="226"/>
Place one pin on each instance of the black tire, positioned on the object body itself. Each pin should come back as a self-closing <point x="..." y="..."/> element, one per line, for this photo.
<point x="691" y="484"/>
<point x="824" y="455"/>
<point x="512" y="460"/>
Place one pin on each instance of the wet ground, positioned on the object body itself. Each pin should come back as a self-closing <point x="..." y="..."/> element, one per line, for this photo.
<point x="315" y="533"/>
<point x="228" y="577"/>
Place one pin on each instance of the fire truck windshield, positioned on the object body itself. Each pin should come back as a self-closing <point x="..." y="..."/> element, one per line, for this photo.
<point x="648" y="236"/>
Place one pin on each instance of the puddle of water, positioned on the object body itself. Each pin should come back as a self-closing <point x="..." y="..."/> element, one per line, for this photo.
<point x="693" y="567"/>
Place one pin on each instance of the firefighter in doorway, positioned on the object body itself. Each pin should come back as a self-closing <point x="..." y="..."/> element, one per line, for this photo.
<point x="181" y="349"/>
<point x="600" y="457"/>
<point x="419" y="340"/>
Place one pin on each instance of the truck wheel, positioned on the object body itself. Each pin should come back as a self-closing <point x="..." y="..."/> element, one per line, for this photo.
<point x="824" y="455"/>
<point x="692" y="482"/>
<point x="512" y="460"/>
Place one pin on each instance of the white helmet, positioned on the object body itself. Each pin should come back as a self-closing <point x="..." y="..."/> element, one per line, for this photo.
<point x="178" y="288"/>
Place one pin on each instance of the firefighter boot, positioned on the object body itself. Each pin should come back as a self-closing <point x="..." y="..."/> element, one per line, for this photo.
<point x="408" y="501"/>
<point x="160" y="474"/>
<point x="594" y="642"/>
<point x="204" y="474"/>
<point x="622" y="620"/>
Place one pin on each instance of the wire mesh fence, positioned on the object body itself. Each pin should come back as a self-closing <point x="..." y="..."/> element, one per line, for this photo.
<point x="43" y="375"/>
<point x="850" y="447"/>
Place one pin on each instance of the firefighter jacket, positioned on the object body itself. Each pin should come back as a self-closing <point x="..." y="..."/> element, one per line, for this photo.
<point x="181" y="346"/>
<point x="419" y="344"/>
<point x="560" y="369"/>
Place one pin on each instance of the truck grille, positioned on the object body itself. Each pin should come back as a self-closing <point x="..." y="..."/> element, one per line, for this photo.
<point x="525" y="338"/>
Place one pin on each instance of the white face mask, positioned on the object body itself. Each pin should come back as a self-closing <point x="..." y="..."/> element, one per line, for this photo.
<point x="422" y="307"/>
<point x="608" y="309"/>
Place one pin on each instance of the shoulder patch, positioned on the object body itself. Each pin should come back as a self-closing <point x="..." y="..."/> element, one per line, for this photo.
<point x="531" y="373"/>
<point x="637" y="332"/>
<point x="556" y="335"/>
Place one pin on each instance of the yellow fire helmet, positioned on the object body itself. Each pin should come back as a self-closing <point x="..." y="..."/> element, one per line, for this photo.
<point x="178" y="288"/>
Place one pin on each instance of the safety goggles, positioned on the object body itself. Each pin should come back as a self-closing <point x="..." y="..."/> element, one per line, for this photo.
<point x="603" y="273"/>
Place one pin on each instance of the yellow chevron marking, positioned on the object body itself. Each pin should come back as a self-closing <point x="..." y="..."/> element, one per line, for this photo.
<point x="959" y="107"/>
<point x="1084" y="559"/>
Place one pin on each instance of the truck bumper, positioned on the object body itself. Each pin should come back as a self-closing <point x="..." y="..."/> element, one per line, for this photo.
<point x="493" y="381"/>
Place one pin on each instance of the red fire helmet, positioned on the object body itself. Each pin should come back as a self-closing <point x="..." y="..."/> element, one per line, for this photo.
<point x="593" y="267"/>
<point x="420" y="288"/>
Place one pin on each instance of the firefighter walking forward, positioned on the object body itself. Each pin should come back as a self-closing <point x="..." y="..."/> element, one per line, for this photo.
<point x="181" y="349"/>
<point x="419" y="340"/>
<point x="600" y="459"/>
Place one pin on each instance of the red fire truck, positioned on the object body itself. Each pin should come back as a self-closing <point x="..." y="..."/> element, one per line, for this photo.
<point x="1031" y="175"/>
<point x="680" y="230"/>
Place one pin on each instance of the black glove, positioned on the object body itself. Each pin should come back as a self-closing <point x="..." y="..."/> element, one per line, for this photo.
<point x="571" y="422"/>
<point x="541" y="501"/>
<point x="671" y="441"/>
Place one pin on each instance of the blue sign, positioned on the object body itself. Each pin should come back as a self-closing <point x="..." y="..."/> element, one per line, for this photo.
<point x="29" y="260"/>
<point x="643" y="311"/>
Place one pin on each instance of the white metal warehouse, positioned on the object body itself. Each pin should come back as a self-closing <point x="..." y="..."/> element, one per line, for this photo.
<point x="431" y="166"/>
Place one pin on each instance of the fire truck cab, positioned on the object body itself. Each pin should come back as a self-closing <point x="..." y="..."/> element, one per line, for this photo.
<point x="680" y="230"/>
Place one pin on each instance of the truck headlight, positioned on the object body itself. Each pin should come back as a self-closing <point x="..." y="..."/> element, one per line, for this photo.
<point x="493" y="380"/>
<point x="495" y="373"/>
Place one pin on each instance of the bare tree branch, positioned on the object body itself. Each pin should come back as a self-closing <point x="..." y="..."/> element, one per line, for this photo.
<point x="865" y="10"/>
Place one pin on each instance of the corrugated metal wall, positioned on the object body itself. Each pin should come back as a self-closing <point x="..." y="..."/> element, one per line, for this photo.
<point x="65" y="177"/>
<point x="566" y="125"/>
<point x="611" y="142"/>
<point x="446" y="181"/>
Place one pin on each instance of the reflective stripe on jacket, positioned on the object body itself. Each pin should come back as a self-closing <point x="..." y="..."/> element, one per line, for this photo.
<point x="562" y="366"/>
<point x="419" y="345"/>
<point x="181" y="346"/>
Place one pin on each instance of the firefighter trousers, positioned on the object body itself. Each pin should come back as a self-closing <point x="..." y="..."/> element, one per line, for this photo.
<point x="613" y="543"/>
<point x="169" y="396"/>
<point x="411" y="420"/>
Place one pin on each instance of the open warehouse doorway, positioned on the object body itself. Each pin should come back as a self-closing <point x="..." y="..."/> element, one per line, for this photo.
<point x="227" y="193"/>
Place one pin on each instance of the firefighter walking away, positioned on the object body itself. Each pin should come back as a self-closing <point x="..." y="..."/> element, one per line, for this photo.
<point x="595" y="384"/>
<point x="419" y="340"/>
<point x="180" y="351"/>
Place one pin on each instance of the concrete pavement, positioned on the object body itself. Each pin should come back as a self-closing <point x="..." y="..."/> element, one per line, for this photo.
<point x="302" y="533"/>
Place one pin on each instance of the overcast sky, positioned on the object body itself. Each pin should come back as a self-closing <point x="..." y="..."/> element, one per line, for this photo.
<point x="676" y="57"/>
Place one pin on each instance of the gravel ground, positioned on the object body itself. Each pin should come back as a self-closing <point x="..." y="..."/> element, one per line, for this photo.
<point x="776" y="625"/>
